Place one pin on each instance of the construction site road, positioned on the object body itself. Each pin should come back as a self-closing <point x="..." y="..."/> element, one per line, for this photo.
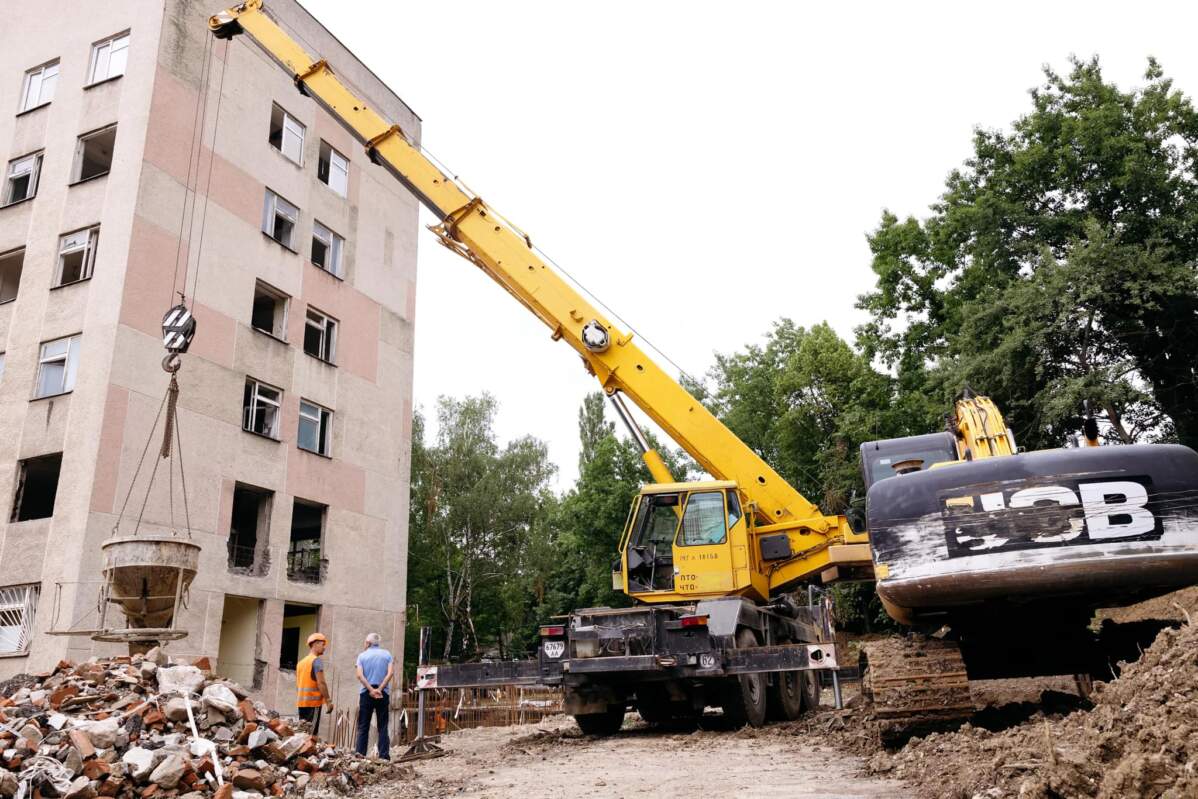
<point x="553" y="759"/>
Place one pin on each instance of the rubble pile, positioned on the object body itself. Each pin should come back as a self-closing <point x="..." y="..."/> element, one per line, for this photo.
<point x="1140" y="739"/>
<point x="146" y="726"/>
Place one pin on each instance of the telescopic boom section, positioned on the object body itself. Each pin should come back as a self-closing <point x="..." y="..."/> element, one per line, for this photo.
<point x="470" y="228"/>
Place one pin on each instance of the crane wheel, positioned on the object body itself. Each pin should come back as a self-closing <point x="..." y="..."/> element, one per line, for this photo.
<point x="784" y="700"/>
<point x="744" y="699"/>
<point x="607" y="723"/>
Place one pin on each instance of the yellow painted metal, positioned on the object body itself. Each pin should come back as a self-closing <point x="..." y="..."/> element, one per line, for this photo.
<point x="473" y="230"/>
<point x="981" y="430"/>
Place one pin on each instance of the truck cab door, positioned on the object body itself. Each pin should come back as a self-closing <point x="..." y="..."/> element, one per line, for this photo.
<point x="702" y="551"/>
<point x="649" y="553"/>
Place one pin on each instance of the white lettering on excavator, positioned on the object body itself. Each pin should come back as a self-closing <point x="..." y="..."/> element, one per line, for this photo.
<point x="1109" y="511"/>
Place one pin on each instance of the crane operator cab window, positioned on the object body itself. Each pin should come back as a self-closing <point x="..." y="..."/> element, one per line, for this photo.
<point x="704" y="522"/>
<point x="650" y="547"/>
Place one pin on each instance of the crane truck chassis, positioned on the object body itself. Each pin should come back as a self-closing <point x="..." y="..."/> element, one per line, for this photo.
<point x="670" y="662"/>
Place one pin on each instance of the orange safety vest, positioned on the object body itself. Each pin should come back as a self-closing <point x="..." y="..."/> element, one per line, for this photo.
<point x="307" y="689"/>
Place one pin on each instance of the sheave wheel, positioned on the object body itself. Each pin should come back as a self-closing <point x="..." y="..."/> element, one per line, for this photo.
<point x="785" y="701"/>
<point x="744" y="695"/>
<point x="607" y="723"/>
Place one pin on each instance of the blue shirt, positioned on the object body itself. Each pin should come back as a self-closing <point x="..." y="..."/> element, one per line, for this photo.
<point x="374" y="662"/>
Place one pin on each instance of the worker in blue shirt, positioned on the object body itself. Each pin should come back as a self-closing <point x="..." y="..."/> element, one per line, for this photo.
<point x="376" y="666"/>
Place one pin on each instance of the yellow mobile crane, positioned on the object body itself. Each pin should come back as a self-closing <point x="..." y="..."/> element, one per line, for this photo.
<point x="1011" y="551"/>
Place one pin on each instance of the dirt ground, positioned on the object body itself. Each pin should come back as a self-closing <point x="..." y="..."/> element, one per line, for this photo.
<point x="553" y="760"/>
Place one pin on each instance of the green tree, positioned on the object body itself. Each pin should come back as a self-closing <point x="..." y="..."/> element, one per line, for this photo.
<point x="1057" y="270"/>
<point x="479" y="529"/>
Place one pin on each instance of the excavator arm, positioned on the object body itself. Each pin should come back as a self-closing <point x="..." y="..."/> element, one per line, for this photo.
<point x="469" y="227"/>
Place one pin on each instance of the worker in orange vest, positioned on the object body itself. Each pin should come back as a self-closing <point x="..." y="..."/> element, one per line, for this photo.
<point x="311" y="689"/>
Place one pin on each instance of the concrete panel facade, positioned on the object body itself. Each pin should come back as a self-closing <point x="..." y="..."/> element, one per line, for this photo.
<point x="176" y="219"/>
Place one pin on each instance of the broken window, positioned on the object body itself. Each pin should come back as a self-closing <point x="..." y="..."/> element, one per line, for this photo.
<point x="315" y="428"/>
<point x="11" y="264"/>
<point x="93" y="154"/>
<point x="270" y="310"/>
<point x="262" y="409"/>
<point x="287" y="134"/>
<point x="37" y="485"/>
<point x="320" y="335"/>
<point x="304" y="560"/>
<point x="77" y="256"/>
<point x="109" y="58"/>
<point x="56" y="367"/>
<point x="20" y="183"/>
<point x="39" y="86"/>
<point x="326" y="249"/>
<point x="239" y="653"/>
<point x="279" y="219"/>
<point x="299" y="621"/>
<point x="18" y="607"/>
<point x="333" y="169"/>
<point x="249" y="529"/>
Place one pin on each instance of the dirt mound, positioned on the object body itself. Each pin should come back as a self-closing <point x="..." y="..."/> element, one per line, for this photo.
<point x="1140" y="740"/>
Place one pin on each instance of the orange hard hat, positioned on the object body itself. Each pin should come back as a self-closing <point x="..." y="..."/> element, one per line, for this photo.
<point x="314" y="637"/>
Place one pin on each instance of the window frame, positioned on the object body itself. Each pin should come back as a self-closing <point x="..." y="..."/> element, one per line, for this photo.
<point x="270" y="214"/>
<point x="89" y="258"/>
<point x="18" y="252"/>
<point x="283" y="128"/>
<point x="327" y="177"/>
<point x="328" y="338"/>
<point x="27" y="606"/>
<point x="682" y="538"/>
<point x="70" y="366"/>
<point x="248" y="412"/>
<point x="323" y="419"/>
<point x="261" y="286"/>
<point x="40" y="72"/>
<point x="35" y="173"/>
<point x="80" y="145"/>
<point x="94" y="61"/>
<point x="334" y="249"/>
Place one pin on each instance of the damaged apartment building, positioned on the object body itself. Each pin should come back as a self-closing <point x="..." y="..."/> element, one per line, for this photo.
<point x="139" y="155"/>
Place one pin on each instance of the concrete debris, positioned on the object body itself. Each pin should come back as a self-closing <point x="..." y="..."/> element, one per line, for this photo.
<point x="120" y="728"/>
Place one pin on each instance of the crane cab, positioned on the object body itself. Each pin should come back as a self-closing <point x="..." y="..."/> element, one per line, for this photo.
<point x="684" y="541"/>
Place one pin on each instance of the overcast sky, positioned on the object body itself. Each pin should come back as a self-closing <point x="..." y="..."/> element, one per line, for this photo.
<point x="704" y="168"/>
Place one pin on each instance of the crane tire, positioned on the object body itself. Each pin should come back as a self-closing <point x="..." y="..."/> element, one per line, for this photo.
<point x="744" y="699"/>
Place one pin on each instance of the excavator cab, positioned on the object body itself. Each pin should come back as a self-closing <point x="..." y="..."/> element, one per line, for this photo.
<point x="678" y="541"/>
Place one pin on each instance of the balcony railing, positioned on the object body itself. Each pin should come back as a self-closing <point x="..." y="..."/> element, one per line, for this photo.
<point x="304" y="565"/>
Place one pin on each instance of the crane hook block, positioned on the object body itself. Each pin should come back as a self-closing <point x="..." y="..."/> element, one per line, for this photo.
<point x="178" y="329"/>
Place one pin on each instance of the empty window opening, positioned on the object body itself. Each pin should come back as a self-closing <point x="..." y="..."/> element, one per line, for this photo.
<point x="57" y="365"/>
<point x="249" y="530"/>
<point x="109" y="58"/>
<point x="304" y="555"/>
<point x="270" y="310"/>
<point x="39" y="86"/>
<point x="262" y="409"/>
<point x="20" y="182"/>
<point x="279" y="219"/>
<point x="93" y="154"/>
<point x="333" y="169"/>
<point x="239" y="654"/>
<point x="77" y="256"/>
<point x="315" y="428"/>
<point x="299" y="621"/>
<point x="320" y="335"/>
<point x="326" y="249"/>
<point x="37" y="485"/>
<point x="287" y="134"/>
<point x="18" y="609"/>
<point x="11" y="264"/>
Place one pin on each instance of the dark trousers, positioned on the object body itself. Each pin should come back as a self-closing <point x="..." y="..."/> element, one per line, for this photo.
<point x="367" y="706"/>
<point x="311" y="714"/>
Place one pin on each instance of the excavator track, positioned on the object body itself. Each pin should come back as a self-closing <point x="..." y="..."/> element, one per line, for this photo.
<point x="915" y="685"/>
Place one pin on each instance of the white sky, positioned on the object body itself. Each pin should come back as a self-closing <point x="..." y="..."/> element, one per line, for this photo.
<point x="704" y="167"/>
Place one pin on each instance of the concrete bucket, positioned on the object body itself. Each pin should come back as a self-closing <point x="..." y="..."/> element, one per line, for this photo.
<point x="147" y="577"/>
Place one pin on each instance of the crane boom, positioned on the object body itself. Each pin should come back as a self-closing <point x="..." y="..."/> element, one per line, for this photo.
<point x="469" y="227"/>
